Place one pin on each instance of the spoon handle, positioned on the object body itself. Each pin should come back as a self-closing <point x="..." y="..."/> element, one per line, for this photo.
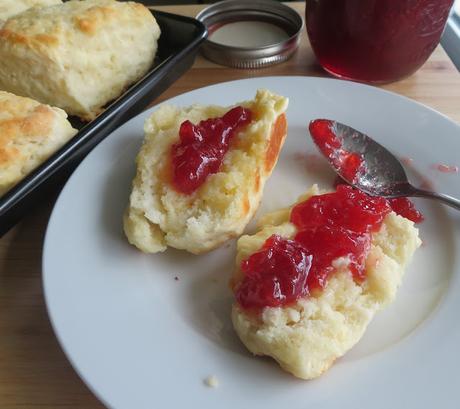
<point x="446" y="199"/>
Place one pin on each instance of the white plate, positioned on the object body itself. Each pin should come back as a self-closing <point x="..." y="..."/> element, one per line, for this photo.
<point x="141" y="339"/>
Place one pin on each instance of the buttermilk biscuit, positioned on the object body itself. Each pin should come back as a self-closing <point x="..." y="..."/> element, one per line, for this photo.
<point x="29" y="133"/>
<point x="158" y="216"/>
<point x="79" y="55"/>
<point x="307" y="337"/>
<point x="9" y="8"/>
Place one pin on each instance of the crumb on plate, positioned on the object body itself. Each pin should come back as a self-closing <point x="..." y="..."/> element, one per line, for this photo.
<point x="212" y="381"/>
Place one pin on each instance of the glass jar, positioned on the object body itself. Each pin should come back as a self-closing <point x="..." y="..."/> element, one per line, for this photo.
<point x="375" y="41"/>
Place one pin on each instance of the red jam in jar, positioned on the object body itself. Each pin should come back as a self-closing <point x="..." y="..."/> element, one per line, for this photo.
<point x="331" y="227"/>
<point x="202" y="148"/>
<point x="375" y="40"/>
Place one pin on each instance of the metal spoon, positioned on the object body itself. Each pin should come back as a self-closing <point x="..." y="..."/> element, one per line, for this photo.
<point x="381" y="173"/>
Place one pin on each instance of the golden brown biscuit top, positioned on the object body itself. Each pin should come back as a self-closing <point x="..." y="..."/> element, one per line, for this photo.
<point x="9" y="8"/>
<point x="46" y="27"/>
<point x="21" y="118"/>
<point x="93" y="18"/>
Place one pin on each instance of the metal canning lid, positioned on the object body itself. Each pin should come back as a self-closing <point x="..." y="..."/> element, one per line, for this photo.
<point x="250" y="34"/>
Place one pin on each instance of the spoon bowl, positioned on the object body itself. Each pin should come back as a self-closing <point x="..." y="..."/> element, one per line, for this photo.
<point x="365" y="164"/>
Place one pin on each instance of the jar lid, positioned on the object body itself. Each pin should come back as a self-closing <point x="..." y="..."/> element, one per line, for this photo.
<point x="250" y="34"/>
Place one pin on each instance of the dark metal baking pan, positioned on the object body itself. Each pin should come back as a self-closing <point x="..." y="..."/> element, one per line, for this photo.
<point x="177" y="48"/>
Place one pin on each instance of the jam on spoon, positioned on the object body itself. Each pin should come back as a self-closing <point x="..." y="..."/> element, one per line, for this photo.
<point x="351" y="164"/>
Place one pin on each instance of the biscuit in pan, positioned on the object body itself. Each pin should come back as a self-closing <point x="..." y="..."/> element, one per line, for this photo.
<point x="78" y="55"/>
<point x="29" y="133"/>
<point x="9" y="8"/>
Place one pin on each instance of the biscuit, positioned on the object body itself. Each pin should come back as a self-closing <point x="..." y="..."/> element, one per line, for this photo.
<point x="307" y="337"/>
<point x="29" y="133"/>
<point x="158" y="216"/>
<point x="78" y="55"/>
<point x="9" y="8"/>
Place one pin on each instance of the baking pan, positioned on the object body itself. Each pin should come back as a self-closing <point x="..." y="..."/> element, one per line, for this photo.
<point x="177" y="48"/>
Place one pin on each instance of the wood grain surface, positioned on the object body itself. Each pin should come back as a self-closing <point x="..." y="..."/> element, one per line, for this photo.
<point x="34" y="372"/>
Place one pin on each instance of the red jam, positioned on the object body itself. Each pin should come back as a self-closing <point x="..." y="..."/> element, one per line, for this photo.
<point x="446" y="168"/>
<point x="349" y="164"/>
<point x="401" y="205"/>
<point x="346" y="208"/>
<point x="202" y="148"/>
<point x="405" y="208"/>
<point x="328" y="243"/>
<point x="337" y="225"/>
<point x="375" y="41"/>
<point x="329" y="227"/>
<point x="275" y="275"/>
